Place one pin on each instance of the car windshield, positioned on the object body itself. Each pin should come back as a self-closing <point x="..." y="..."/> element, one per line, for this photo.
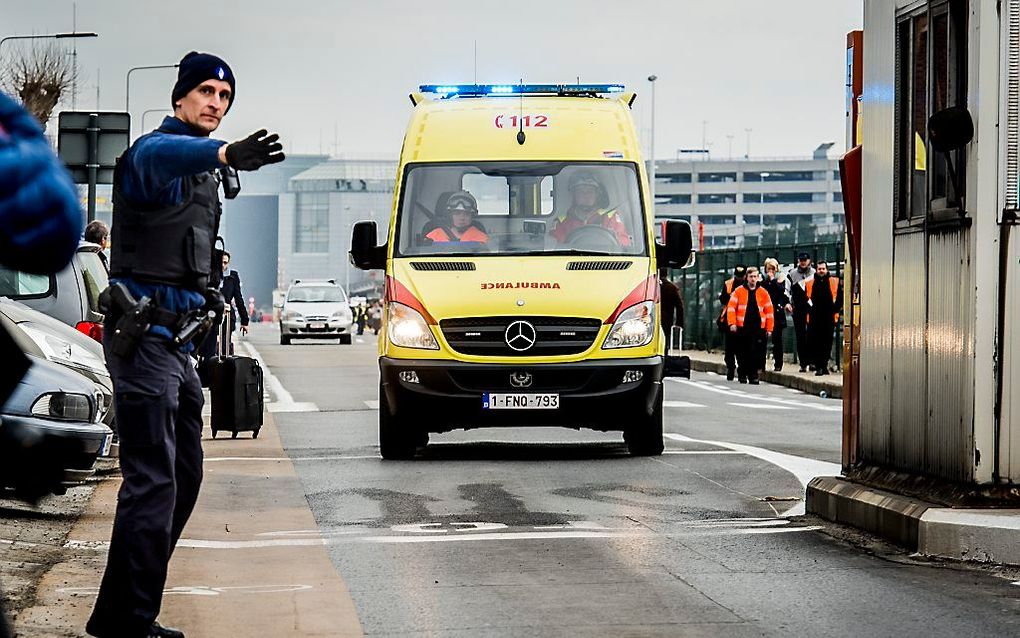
<point x="16" y="284"/>
<point x="316" y="293"/>
<point x="515" y="208"/>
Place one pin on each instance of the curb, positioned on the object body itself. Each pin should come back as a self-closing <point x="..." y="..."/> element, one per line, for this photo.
<point x="978" y="535"/>
<point x="811" y="385"/>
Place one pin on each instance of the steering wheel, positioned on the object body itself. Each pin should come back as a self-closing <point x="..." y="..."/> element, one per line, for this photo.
<point x="595" y="238"/>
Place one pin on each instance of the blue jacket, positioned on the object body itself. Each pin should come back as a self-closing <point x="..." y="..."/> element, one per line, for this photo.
<point x="40" y="216"/>
<point x="152" y="174"/>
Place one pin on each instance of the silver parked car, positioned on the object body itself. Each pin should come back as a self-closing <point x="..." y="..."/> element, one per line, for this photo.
<point x="316" y="309"/>
<point x="71" y="296"/>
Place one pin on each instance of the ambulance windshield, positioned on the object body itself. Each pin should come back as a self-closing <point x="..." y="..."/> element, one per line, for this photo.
<point x="515" y="208"/>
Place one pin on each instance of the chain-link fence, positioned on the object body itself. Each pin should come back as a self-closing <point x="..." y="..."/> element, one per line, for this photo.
<point x="701" y="284"/>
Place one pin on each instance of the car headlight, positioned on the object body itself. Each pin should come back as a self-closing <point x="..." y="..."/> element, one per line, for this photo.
<point x="64" y="352"/>
<point x="634" y="327"/>
<point x="407" y="328"/>
<point x="64" y="406"/>
<point x="292" y="315"/>
<point x="342" y="315"/>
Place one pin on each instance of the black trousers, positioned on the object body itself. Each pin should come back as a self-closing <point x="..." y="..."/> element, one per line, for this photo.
<point x="821" y="335"/>
<point x="750" y="351"/>
<point x="732" y="342"/>
<point x="804" y="348"/>
<point x="777" y="347"/>
<point x="159" y="414"/>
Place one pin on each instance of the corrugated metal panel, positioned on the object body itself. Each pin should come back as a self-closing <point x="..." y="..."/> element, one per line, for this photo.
<point x="877" y="235"/>
<point x="909" y="404"/>
<point x="1011" y="79"/>
<point x="951" y="315"/>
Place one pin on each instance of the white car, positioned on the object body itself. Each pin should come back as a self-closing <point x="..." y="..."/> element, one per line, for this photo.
<point x="316" y="310"/>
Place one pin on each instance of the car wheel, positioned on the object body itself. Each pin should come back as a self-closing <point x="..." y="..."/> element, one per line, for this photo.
<point x="346" y="339"/>
<point x="645" y="438"/>
<point x="396" y="443"/>
<point x="284" y="340"/>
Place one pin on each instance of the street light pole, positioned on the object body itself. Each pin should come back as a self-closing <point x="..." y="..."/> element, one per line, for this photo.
<point x="651" y="149"/>
<point x="52" y="36"/>
<point x="127" y="87"/>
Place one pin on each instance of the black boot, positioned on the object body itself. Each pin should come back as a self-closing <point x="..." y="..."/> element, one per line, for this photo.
<point x="159" y="631"/>
<point x="730" y="374"/>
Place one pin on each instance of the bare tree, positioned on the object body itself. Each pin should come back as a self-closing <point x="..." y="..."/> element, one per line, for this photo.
<point x="40" y="75"/>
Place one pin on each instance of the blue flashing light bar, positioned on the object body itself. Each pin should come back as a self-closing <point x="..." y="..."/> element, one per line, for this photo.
<point x="482" y="90"/>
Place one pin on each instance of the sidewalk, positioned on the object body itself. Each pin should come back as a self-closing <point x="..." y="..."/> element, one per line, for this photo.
<point x="250" y="557"/>
<point x="790" y="377"/>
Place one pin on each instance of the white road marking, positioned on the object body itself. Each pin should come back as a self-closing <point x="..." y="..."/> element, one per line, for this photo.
<point x="681" y="404"/>
<point x="699" y="452"/>
<point x="359" y="341"/>
<point x="372" y="405"/>
<point x="801" y="467"/>
<point x="284" y="401"/>
<point x="200" y="590"/>
<point x="741" y="394"/>
<point x="760" y="406"/>
<point x="300" y="459"/>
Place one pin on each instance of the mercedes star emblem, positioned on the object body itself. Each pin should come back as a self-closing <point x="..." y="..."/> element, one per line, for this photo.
<point x="520" y="335"/>
<point x="520" y="379"/>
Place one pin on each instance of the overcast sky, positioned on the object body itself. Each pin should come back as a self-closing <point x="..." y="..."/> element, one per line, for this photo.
<point x="314" y="68"/>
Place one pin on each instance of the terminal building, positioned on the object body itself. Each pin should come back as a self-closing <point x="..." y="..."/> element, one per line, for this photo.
<point x="749" y="202"/>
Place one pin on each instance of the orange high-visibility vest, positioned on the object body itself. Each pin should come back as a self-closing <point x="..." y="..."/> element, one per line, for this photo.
<point x="471" y="234"/>
<point x="809" y="285"/>
<point x="736" y="310"/>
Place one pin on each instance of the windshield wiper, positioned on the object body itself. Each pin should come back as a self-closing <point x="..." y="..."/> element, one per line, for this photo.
<point x="570" y="252"/>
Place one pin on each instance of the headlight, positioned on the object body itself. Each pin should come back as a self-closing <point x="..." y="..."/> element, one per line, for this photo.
<point x="63" y="352"/>
<point x="342" y="315"/>
<point x="63" y="406"/>
<point x="292" y="315"/>
<point x="407" y="328"/>
<point x="634" y="327"/>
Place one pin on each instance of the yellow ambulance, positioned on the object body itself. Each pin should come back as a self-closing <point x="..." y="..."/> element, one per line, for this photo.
<point x="521" y="268"/>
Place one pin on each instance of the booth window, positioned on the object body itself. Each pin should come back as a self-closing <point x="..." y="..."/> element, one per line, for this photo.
<point x="931" y="61"/>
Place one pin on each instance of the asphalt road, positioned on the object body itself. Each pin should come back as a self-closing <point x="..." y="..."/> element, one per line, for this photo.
<point x="532" y="532"/>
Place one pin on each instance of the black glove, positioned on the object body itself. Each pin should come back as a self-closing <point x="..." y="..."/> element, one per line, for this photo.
<point x="255" y="151"/>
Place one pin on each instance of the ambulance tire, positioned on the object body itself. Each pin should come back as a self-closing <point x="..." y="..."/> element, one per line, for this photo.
<point x="396" y="443"/>
<point x="646" y="438"/>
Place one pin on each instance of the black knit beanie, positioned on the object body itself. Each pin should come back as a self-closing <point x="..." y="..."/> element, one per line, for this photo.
<point x="198" y="67"/>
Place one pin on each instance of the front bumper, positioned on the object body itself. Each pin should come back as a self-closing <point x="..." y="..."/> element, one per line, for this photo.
<point x="331" y="328"/>
<point x="75" y="446"/>
<point x="592" y="394"/>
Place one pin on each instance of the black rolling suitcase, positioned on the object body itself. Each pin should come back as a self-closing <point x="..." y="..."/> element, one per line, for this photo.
<point x="235" y="385"/>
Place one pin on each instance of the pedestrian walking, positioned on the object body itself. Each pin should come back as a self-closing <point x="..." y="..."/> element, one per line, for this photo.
<point x="799" y="307"/>
<point x="750" y="319"/>
<point x="42" y="222"/>
<point x="775" y="284"/>
<point x="166" y="213"/>
<point x="98" y="232"/>
<point x="729" y="339"/>
<point x="361" y="317"/>
<point x="230" y="288"/>
<point x="824" y="293"/>
<point x="671" y="307"/>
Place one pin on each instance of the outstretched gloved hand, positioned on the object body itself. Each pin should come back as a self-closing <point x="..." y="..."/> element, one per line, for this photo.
<point x="255" y="151"/>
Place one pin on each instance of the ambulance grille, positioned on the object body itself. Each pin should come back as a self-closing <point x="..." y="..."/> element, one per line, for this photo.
<point x="486" y="336"/>
<point x="599" y="265"/>
<point x="434" y="266"/>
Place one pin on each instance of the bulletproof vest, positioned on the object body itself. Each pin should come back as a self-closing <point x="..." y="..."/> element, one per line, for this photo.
<point x="169" y="245"/>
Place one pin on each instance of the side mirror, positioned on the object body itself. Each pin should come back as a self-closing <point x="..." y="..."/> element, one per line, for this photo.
<point x="364" y="252"/>
<point x="951" y="129"/>
<point x="677" y="248"/>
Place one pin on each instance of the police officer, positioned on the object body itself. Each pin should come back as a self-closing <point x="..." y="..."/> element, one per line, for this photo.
<point x="166" y="212"/>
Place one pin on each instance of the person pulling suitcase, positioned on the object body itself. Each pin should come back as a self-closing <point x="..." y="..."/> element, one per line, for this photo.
<point x="235" y="387"/>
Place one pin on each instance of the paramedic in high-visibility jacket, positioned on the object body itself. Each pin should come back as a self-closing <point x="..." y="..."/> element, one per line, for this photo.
<point x="825" y="298"/>
<point x="751" y="317"/>
<point x="589" y="208"/>
<point x="166" y="213"/>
